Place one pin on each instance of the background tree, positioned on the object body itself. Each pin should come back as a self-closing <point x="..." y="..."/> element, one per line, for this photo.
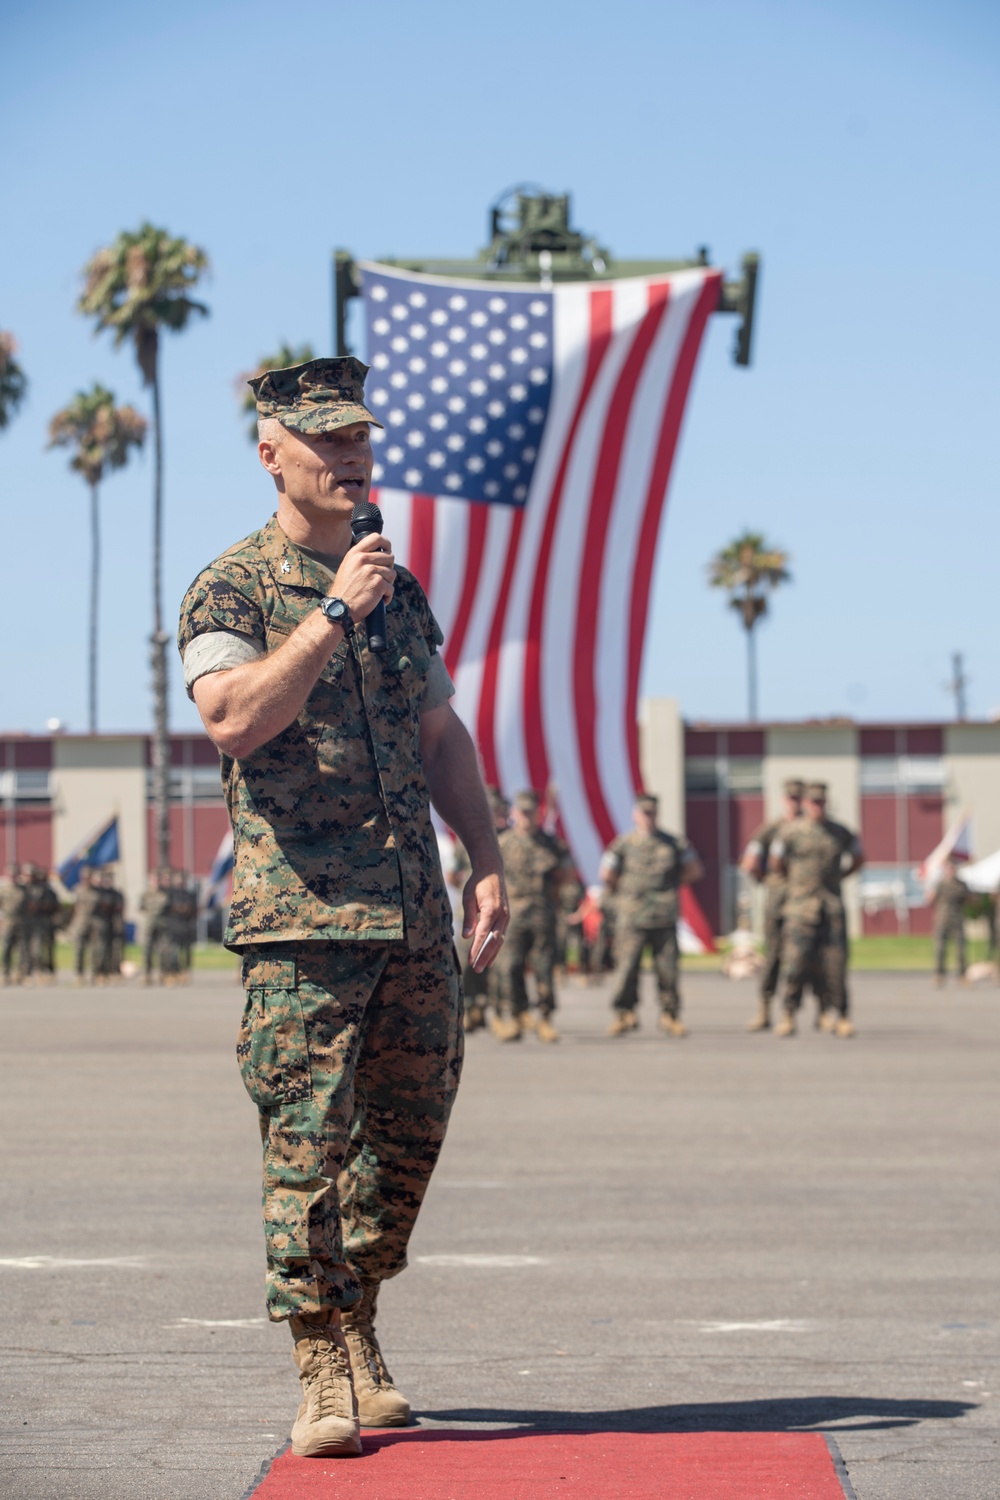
<point x="101" y="436"/>
<point x="286" y="355"/>
<point x="13" y="381"/>
<point x="136" y="287"/>
<point x="749" y="569"/>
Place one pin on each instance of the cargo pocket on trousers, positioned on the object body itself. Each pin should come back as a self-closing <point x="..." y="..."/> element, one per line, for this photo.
<point x="273" y="1050"/>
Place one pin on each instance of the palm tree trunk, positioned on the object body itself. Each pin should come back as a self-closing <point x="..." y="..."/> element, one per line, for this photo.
<point x="158" y="651"/>
<point x="95" y="589"/>
<point x="751" y="675"/>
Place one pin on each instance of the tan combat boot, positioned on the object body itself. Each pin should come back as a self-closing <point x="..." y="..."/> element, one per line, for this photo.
<point x="528" y="1020"/>
<point x="762" y="1020"/>
<point x="828" y="1021"/>
<point x="625" y="1020"/>
<point x="507" y="1029"/>
<point x="379" y="1402"/>
<point x="327" y="1421"/>
<point x="473" y="1019"/>
<point x="545" y="1031"/>
<point x="843" y="1027"/>
<point x="672" y="1025"/>
<point x="786" y="1026"/>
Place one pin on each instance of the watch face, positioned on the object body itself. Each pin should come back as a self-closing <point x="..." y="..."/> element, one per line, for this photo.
<point x="336" y="609"/>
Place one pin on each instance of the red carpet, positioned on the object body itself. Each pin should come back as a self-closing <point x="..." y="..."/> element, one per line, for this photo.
<point x="437" y="1464"/>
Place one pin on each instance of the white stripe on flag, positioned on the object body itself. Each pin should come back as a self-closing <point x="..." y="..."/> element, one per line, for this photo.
<point x="468" y="682"/>
<point x="571" y="337"/>
<point x="612" y="666"/>
<point x="451" y="557"/>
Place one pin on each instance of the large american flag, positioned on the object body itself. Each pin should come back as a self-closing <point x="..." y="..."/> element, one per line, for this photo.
<point x="529" y="436"/>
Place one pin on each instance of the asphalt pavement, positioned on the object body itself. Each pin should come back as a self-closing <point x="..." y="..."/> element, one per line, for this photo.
<point x="726" y="1232"/>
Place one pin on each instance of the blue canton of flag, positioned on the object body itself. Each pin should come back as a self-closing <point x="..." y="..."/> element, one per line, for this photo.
<point x="462" y="378"/>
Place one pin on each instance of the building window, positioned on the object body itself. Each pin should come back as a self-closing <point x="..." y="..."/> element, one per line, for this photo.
<point x="709" y="774"/>
<point x="902" y="774"/>
<point x="25" y="786"/>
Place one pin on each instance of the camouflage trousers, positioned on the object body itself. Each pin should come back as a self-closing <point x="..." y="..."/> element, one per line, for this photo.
<point x="352" y="1053"/>
<point x="814" y="951"/>
<point x="161" y="950"/>
<point x="527" y="942"/>
<point x="14" y="950"/>
<point x="954" y="932"/>
<point x="630" y="944"/>
<point x="774" y="909"/>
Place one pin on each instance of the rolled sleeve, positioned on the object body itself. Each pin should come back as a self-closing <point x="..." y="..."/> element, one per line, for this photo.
<point x="438" y="686"/>
<point x="217" y="651"/>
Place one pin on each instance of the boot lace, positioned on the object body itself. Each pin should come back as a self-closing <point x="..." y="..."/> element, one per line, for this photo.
<point x="328" y="1381"/>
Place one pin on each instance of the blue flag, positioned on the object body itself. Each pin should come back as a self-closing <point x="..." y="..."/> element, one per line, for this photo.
<point x="102" y="849"/>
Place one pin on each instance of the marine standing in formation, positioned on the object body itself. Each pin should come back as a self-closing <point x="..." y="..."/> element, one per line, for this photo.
<point x="645" y="870"/>
<point x="756" y="864"/>
<point x="950" y="897"/>
<point x="351" y="1040"/>
<point x="13" y="902"/>
<point x="535" y="863"/>
<point x="41" y="913"/>
<point x="814" y="854"/>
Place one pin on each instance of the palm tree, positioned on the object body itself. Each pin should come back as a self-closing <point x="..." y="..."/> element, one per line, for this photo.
<point x="101" y="435"/>
<point x="136" y="287"/>
<point x="13" y="381"/>
<point x="287" y="354"/>
<point x="749" y="569"/>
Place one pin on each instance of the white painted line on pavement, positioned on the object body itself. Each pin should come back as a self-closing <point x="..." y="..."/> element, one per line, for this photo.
<point x="491" y="1262"/>
<point x="761" y="1325"/>
<point x="60" y="1263"/>
<point x="216" y="1323"/>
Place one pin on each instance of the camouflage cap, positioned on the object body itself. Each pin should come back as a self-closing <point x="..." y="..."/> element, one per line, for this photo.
<point x="647" y="801"/>
<point x="794" y="787"/>
<point x="815" y="791"/>
<point x="526" y="801"/>
<point x="319" y="396"/>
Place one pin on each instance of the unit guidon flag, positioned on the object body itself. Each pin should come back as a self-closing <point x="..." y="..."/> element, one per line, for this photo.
<point x="529" y="436"/>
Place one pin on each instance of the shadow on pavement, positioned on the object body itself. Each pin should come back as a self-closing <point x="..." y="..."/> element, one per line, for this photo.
<point x="793" y="1413"/>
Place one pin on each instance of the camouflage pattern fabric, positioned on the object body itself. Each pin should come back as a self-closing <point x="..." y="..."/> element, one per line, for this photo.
<point x="160" y="952"/>
<point x="775" y="888"/>
<point x="13" y="901"/>
<point x="318" y="396"/>
<point x="533" y="863"/>
<point x="630" y="944"/>
<point x="815" y="927"/>
<point x="41" y="908"/>
<point x="949" y="923"/>
<point x="84" y="929"/>
<point x="331" y="818"/>
<point x="352" y="1053"/>
<point x="649" y="868"/>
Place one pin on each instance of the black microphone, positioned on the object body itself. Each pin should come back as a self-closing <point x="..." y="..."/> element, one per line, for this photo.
<point x="366" y="520"/>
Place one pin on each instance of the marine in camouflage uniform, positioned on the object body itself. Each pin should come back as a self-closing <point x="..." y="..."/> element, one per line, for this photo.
<point x="755" y="864"/>
<point x="160" y="955"/>
<point x="645" y="870"/>
<point x="109" y="927"/>
<point x="13" y="904"/>
<point x="82" y="926"/>
<point x="534" y="863"/>
<point x="182" y="918"/>
<point x="40" y="914"/>
<point x="351" y="1039"/>
<point x="950" y="897"/>
<point x="815" y="854"/>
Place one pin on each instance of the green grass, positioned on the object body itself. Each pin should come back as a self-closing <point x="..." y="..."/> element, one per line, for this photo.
<point x="208" y="957"/>
<point x="871" y="953"/>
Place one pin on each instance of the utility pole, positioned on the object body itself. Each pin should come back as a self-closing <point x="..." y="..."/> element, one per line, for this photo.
<point x="958" y="684"/>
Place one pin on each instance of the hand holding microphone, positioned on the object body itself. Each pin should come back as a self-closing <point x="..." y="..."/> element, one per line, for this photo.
<point x="366" y="520"/>
<point x="366" y="576"/>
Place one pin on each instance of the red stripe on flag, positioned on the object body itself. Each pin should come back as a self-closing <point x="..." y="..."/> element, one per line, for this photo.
<point x="477" y="520"/>
<point x="598" y="520"/>
<point x="708" y="300"/>
<point x="696" y="919"/>
<point x="600" y="338"/>
<point x="421" y="560"/>
<point x="486" y="723"/>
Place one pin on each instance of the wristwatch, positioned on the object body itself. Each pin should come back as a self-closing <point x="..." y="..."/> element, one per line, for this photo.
<point x="337" y="613"/>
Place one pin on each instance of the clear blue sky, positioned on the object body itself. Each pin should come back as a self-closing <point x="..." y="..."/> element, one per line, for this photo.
<point x="855" y="144"/>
